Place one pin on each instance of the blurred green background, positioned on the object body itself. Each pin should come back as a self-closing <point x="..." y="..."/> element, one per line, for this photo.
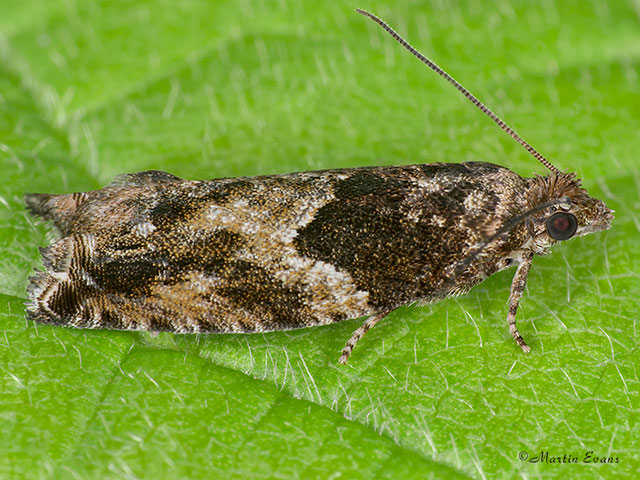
<point x="202" y="89"/>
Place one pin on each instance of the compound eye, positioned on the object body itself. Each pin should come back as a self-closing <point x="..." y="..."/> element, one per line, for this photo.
<point x="561" y="226"/>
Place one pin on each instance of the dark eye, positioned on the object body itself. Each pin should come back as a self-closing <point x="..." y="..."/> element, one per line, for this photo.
<point x="561" y="226"/>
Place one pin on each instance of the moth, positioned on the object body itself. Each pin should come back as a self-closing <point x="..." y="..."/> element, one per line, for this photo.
<point x="152" y="251"/>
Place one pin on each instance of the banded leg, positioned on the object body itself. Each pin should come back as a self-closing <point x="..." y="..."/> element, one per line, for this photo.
<point x="517" y="287"/>
<point x="358" y="334"/>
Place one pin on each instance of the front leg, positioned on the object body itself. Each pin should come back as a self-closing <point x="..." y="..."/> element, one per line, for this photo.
<point x="517" y="287"/>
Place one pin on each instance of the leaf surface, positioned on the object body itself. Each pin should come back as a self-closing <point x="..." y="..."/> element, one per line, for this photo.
<point x="90" y="90"/>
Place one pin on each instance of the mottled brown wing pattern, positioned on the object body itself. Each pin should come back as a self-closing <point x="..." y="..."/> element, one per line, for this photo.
<point x="155" y="252"/>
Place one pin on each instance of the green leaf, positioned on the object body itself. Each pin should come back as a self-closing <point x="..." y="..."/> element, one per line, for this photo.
<point x="89" y="90"/>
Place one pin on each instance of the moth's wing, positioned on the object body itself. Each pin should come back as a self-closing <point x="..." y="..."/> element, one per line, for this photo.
<point x="193" y="256"/>
<point x="266" y="253"/>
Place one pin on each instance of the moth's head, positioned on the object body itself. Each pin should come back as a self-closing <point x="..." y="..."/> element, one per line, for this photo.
<point x="572" y="212"/>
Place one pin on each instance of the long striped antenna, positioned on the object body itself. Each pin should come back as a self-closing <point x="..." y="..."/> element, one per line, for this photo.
<point x="462" y="90"/>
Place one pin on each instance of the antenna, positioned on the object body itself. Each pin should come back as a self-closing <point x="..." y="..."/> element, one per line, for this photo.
<point x="462" y="90"/>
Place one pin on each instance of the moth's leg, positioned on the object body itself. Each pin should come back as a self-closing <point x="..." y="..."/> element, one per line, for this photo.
<point x="517" y="287"/>
<point x="358" y="334"/>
